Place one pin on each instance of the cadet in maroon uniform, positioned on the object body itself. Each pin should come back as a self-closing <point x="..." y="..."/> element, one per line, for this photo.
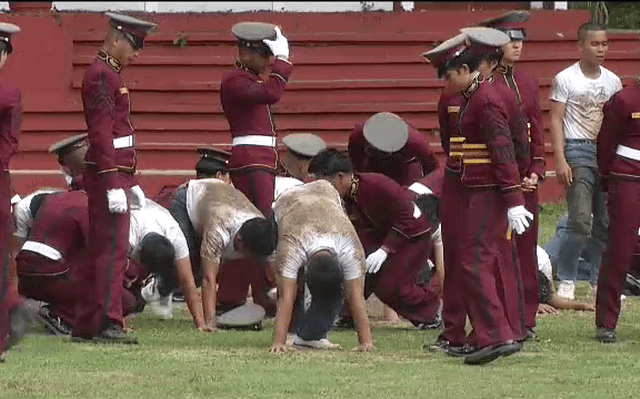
<point x="619" y="163"/>
<point x="110" y="176"/>
<point x="246" y="99"/>
<point x="395" y="237"/>
<point x="453" y="337"/>
<point x="491" y="202"/>
<point x="405" y="158"/>
<point x="525" y="87"/>
<point x="10" y="121"/>
<point x="71" y="152"/>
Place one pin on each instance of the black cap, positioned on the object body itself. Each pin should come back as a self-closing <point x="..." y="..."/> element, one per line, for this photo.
<point x="135" y="30"/>
<point x="212" y="160"/>
<point x="6" y="30"/>
<point x="252" y="34"/>
<point x="386" y="132"/>
<point x="304" y="145"/>
<point x="510" y="23"/>
<point x="69" y="144"/>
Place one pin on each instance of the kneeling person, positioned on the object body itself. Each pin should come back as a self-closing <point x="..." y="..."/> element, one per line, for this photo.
<point x="319" y="252"/>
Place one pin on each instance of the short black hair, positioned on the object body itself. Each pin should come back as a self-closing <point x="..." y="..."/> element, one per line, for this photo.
<point x="429" y="205"/>
<point x="157" y="255"/>
<point x="5" y="47"/>
<point x="494" y="56"/>
<point x="330" y="162"/>
<point x="589" y="27"/>
<point x="207" y="167"/>
<point x="36" y="203"/>
<point x="469" y="58"/>
<point x="324" y="276"/>
<point x="260" y="235"/>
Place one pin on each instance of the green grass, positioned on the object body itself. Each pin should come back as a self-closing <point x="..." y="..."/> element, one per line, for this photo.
<point x="175" y="361"/>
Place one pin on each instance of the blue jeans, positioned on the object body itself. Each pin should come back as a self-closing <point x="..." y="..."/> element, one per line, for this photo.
<point x="315" y="321"/>
<point x="584" y="199"/>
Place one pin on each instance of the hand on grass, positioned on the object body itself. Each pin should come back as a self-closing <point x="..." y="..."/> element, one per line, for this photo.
<point x="366" y="347"/>
<point x="280" y="348"/>
<point x="543" y="308"/>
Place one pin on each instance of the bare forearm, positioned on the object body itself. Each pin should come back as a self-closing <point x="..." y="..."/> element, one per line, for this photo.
<point x="288" y="291"/>
<point x="355" y="295"/>
<point x="187" y="283"/>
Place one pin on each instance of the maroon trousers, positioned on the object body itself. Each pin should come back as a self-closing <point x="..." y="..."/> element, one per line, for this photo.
<point x="527" y="255"/>
<point x="451" y="219"/>
<point x="5" y="249"/>
<point x="489" y="280"/>
<point x="396" y="283"/>
<point x="236" y="276"/>
<point x="624" y="220"/>
<point x="108" y="247"/>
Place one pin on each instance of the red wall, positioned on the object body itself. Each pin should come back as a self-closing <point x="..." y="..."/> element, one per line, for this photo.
<point x="347" y="67"/>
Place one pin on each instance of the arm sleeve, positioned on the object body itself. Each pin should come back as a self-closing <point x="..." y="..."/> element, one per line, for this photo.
<point x="356" y="147"/>
<point x="536" y="133"/>
<point x="289" y="259"/>
<point x="496" y="134"/>
<point x="608" y="137"/>
<point x="12" y="111"/>
<point x="559" y="90"/>
<point x="213" y="244"/>
<point x="23" y="219"/>
<point x="351" y="258"/>
<point x="178" y="241"/>
<point x="405" y="224"/>
<point x="443" y="120"/>
<point x="98" y="96"/>
<point x="244" y="89"/>
<point x="421" y="149"/>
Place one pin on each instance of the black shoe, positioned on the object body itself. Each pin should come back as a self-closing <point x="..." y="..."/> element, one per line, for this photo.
<point x="345" y="323"/>
<point x="606" y="335"/>
<point x="441" y="344"/>
<point x="530" y="333"/>
<point x="431" y="325"/>
<point x="115" y="334"/>
<point x="510" y="348"/>
<point x="461" y="351"/>
<point x="53" y="324"/>
<point x="484" y="355"/>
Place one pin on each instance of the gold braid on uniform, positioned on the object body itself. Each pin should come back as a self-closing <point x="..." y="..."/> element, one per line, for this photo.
<point x="355" y="184"/>
<point x="110" y="60"/>
<point x="238" y="64"/>
<point x="473" y="86"/>
<point x="503" y="69"/>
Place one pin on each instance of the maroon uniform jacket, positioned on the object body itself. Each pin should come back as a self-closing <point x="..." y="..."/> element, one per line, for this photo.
<point x="246" y="100"/>
<point x="489" y="158"/>
<point x="620" y="126"/>
<point x="526" y="89"/>
<point x="411" y="163"/>
<point x="62" y="223"/>
<point x="106" y="109"/>
<point x="448" y="112"/>
<point x="10" y="121"/>
<point x="382" y="212"/>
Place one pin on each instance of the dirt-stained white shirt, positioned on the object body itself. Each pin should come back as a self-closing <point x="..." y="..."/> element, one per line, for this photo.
<point x="311" y="218"/>
<point x="217" y="210"/>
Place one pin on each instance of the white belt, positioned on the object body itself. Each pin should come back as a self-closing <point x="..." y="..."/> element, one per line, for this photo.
<point x="265" y="141"/>
<point x="42" y="249"/>
<point x="123" y="142"/>
<point x="420" y="189"/>
<point x="628" y="152"/>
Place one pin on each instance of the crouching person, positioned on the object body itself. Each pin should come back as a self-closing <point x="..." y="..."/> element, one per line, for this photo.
<point x="318" y="254"/>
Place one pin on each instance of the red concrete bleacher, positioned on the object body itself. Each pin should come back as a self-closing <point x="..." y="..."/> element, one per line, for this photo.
<point x="347" y="67"/>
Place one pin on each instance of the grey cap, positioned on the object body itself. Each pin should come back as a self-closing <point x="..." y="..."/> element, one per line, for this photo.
<point x="386" y="132"/>
<point x="69" y="144"/>
<point x="6" y="30"/>
<point x="512" y="23"/>
<point x="485" y="39"/>
<point x="304" y="145"/>
<point x="135" y="30"/>
<point x="254" y="31"/>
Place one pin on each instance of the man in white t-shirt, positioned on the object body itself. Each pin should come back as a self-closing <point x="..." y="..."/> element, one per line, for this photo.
<point x="577" y="97"/>
<point x="318" y="254"/>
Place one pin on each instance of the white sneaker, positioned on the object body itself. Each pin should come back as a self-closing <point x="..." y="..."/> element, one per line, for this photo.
<point x="566" y="289"/>
<point x="317" y="344"/>
<point x="159" y="305"/>
<point x="290" y="339"/>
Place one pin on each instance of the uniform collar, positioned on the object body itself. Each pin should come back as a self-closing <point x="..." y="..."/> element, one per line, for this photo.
<point x="473" y="86"/>
<point x="355" y="185"/>
<point x="504" y="69"/>
<point x="110" y="60"/>
<point x="239" y="65"/>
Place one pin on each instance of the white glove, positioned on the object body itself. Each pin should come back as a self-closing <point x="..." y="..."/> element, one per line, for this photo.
<point x="137" y="198"/>
<point x="117" y="200"/>
<point x="280" y="46"/>
<point x="375" y="261"/>
<point x="518" y="216"/>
